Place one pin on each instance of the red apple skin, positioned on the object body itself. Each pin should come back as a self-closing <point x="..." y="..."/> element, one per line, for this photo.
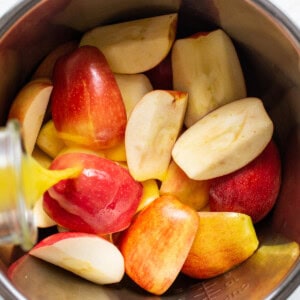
<point x="156" y="244"/>
<point x="161" y="76"/>
<point x="87" y="106"/>
<point x="101" y="200"/>
<point x="251" y="190"/>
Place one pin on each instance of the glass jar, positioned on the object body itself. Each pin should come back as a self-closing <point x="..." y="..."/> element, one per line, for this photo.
<point x="16" y="218"/>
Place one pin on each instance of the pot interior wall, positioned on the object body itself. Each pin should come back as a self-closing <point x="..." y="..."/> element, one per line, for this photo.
<point x="270" y="61"/>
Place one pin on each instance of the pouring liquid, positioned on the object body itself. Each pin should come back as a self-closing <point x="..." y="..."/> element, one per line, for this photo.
<point x="22" y="182"/>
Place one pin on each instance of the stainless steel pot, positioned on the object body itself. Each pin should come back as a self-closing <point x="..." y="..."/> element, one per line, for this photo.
<point x="268" y="46"/>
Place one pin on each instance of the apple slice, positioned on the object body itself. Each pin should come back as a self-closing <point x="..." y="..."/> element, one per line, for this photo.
<point x="208" y="68"/>
<point x="37" y="279"/>
<point x="41" y="219"/>
<point x="157" y="243"/>
<point x="45" y="68"/>
<point x="87" y="106"/>
<point x="103" y="199"/>
<point x="224" y="140"/>
<point x="134" y="46"/>
<point x="133" y="87"/>
<point x="41" y="157"/>
<point x="223" y="241"/>
<point x="29" y="107"/>
<point x="48" y="140"/>
<point x="251" y="190"/>
<point x="194" y="193"/>
<point x="87" y="255"/>
<point x="152" y="129"/>
<point x="150" y="193"/>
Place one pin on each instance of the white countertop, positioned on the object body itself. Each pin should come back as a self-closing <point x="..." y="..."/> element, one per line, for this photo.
<point x="290" y="7"/>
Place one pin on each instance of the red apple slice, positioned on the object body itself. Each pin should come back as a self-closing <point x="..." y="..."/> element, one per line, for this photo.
<point x="87" y="255"/>
<point x="157" y="243"/>
<point x="102" y="199"/>
<point x="251" y="190"/>
<point x="135" y="46"/>
<point x="87" y="106"/>
<point x="151" y="132"/>
<point x="224" y="140"/>
<point x="29" y="107"/>
<point x="208" y="68"/>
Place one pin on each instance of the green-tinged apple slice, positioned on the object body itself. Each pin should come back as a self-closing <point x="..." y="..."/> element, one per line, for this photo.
<point x="151" y="132"/>
<point x="29" y="107"/>
<point x="134" y="46"/>
<point x="224" y="140"/>
<point x="206" y="66"/>
<point x="48" y="140"/>
<point x="86" y="255"/>
<point x="223" y="241"/>
<point x="132" y="87"/>
<point x="157" y="243"/>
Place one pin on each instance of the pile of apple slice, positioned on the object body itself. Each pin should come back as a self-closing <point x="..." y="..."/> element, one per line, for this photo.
<point x="174" y="176"/>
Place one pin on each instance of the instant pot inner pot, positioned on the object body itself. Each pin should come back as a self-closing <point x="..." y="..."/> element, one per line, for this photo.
<point x="270" y="60"/>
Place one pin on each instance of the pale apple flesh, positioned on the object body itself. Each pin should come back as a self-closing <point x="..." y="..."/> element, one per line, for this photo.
<point x="89" y="256"/>
<point x="29" y="107"/>
<point x="150" y="136"/>
<point x="135" y="46"/>
<point x="208" y="68"/>
<point x="224" y="140"/>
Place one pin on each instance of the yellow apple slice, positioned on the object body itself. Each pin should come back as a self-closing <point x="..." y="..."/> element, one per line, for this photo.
<point x="29" y="107"/>
<point x="134" y="46"/>
<point x="41" y="219"/>
<point x="151" y="132"/>
<point x="224" y="140"/>
<point x="132" y="87"/>
<point x="208" y="68"/>
<point x="150" y="193"/>
<point x="41" y="157"/>
<point x="48" y="140"/>
<point x="223" y="240"/>
<point x="194" y="193"/>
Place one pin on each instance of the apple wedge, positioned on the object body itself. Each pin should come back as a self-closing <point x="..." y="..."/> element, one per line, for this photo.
<point x="29" y="107"/>
<point x="223" y="241"/>
<point x="134" y="46"/>
<point x="157" y="243"/>
<point x="86" y="102"/>
<point x="41" y="157"/>
<point x="150" y="193"/>
<point x="41" y="219"/>
<point x="224" y="140"/>
<point x="132" y="87"/>
<point x="151" y="132"/>
<point x="48" y="140"/>
<point x="87" y="255"/>
<point x="206" y="66"/>
<point x="45" y="68"/>
<point x="194" y="193"/>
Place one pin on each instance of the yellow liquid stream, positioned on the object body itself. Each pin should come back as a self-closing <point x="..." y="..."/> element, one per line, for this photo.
<point x="35" y="180"/>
